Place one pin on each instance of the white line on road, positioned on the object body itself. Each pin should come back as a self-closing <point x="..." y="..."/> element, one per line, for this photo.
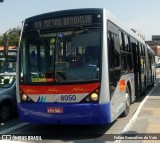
<point x="13" y="128"/>
<point x="133" y="119"/>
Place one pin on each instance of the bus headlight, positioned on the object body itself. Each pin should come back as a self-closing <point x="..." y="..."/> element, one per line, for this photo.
<point x="94" y="96"/>
<point x="24" y="97"/>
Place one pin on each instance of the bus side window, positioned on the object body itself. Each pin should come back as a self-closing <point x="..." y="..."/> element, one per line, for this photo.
<point x="114" y="56"/>
<point x="114" y="59"/>
<point x="123" y="52"/>
<point x="129" y="55"/>
<point x="126" y="43"/>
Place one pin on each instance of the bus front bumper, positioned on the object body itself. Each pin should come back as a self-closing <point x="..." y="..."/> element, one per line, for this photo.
<point x="71" y="114"/>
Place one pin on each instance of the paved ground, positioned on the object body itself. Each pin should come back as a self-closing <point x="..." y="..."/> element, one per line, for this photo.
<point x="145" y="124"/>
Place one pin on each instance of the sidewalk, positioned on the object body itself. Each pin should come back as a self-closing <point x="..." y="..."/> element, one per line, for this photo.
<point x="146" y="120"/>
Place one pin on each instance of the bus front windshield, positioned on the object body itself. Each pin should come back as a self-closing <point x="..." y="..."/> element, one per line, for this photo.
<point x="66" y="56"/>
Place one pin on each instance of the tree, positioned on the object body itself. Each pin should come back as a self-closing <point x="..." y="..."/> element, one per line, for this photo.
<point x="1" y="0"/>
<point x="1" y="40"/>
<point x="11" y="37"/>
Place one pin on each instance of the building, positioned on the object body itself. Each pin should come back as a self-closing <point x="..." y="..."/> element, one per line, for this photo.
<point x="8" y="60"/>
<point x="10" y="48"/>
<point x="155" y="37"/>
<point x="155" y="45"/>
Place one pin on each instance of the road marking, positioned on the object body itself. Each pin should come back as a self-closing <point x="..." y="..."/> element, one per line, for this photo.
<point x="133" y="119"/>
<point x="13" y="128"/>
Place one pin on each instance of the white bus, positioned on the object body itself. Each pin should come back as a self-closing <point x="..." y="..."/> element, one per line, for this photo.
<point x="80" y="66"/>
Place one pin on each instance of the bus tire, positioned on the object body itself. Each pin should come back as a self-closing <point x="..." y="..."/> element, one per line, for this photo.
<point x="5" y="111"/>
<point x="128" y="101"/>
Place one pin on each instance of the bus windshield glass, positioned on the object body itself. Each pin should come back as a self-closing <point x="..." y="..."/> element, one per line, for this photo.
<point x="64" y="56"/>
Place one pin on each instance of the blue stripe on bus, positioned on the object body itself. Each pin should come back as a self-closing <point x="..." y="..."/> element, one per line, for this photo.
<point x="73" y="114"/>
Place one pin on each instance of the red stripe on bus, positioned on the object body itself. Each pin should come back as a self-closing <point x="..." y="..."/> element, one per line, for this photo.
<point x="62" y="89"/>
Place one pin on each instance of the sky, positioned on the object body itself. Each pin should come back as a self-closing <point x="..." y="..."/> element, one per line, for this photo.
<point x="142" y="15"/>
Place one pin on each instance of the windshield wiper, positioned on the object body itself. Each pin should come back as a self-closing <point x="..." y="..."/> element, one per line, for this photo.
<point x="43" y="40"/>
<point x="48" y="49"/>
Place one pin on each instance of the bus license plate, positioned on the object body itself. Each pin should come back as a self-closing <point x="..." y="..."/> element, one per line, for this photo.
<point x="55" y="110"/>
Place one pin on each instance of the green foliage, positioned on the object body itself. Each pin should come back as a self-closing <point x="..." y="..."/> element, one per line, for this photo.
<point x="1" y="40"/>
<point x="11" y="37"/>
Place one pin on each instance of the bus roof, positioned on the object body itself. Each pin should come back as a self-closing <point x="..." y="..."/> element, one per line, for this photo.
<point x="64" y="12"/>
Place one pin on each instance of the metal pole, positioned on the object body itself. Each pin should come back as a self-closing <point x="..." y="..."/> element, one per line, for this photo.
<point x="6" y="46"/>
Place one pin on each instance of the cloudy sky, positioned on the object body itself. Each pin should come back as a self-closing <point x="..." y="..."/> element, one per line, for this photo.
<point x="142" y="15"/>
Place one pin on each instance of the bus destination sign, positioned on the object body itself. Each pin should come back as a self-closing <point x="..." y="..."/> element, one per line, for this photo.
<point x="63" y="22"/>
